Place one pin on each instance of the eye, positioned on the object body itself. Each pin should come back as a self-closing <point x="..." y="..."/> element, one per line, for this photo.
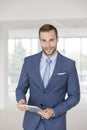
<point x="43" y="40"/>
<point x="51" y="40"/>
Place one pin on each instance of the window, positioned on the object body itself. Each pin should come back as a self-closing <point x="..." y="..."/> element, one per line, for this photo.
<point x="84" y="64"/>
<point x="75" y="48"/>
<point x="17" y="50"/>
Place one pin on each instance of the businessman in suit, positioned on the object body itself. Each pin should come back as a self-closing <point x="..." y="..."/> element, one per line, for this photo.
<point x="47" y="91"/>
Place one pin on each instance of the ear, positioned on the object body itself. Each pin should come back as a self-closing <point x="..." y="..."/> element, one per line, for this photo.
<point x="57" y="40"/>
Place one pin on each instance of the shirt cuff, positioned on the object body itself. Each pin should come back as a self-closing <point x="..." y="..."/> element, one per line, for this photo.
<point x="53" y="113"/>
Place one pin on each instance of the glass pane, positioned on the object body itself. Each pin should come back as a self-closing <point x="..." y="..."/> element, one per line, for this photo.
<point x="17" y="50"/>
<point x="60" y="45"/>
<point x="16" y="54"/>
<point x="84" y="56"/>
<point x="34" y="46"/>
<point x="83" y="83"/>
<point x="27" y="46"/>
<point x="73" y="49"/>
<point x="84" y="65"/>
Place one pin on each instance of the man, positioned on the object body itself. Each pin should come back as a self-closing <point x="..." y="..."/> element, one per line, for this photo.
<point x="48" y="95"/>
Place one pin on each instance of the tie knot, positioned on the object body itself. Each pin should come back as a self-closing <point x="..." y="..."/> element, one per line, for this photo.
<point x="48" y="61"/>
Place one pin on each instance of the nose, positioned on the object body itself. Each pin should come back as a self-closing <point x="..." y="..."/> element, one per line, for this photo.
<point x="47" y="44"/>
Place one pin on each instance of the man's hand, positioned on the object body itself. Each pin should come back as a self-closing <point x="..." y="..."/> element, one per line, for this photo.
<point x="47" y="113"/>
<point x="22" y="105"/>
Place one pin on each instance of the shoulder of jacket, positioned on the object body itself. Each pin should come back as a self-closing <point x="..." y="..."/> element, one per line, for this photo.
<point x="67" y="59"/>
<point x="32" y="56"/>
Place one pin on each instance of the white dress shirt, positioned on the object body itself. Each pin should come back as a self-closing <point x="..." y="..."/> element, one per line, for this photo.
<point x="43" y="64"/>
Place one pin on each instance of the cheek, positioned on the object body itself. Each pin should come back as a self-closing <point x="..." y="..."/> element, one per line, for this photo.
<point x="43" y="45"/>
<point x="53" y="45"/>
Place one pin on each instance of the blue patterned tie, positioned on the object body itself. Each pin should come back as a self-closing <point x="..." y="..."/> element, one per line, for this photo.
<point x="46" y="75"/>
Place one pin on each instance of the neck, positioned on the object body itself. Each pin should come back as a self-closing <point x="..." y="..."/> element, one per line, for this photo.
<point x="49" y="56"/>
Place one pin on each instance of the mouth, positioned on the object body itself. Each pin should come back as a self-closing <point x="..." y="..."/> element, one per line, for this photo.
<point x="48" y="49"/>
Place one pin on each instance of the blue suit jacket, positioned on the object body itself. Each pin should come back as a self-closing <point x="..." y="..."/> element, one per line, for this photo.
<point x="63" y="81"/>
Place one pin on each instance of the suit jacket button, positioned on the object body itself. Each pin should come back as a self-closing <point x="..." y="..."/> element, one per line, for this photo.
<point x="44" y="91"/>
<point x="41" y="105"/>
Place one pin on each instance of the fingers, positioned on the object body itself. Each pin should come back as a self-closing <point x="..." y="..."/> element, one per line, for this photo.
<point x="47" y="113"/>
<point x="22" y="105"/>
<point x="40" y="113"/>
<point x="43" y="114"/>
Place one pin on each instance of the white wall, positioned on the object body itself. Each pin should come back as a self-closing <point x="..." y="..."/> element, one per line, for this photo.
<point x="42" y="9"/>
<point x="3" y="66"/>
<point x="33" y="33"/>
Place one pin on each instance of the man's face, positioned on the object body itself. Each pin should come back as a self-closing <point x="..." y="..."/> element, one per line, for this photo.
<point x="48" y="42"/>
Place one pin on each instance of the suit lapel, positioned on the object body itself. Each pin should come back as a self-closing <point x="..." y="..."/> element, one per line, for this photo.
<point x="37" y="71"/>
<point x="57" y="69"/>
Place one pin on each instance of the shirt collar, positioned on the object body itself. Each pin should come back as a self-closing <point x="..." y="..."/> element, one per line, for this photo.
<point x="53" y="58"/>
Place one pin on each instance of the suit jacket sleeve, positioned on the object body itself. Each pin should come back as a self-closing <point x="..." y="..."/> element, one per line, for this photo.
<point x="23" y="84"/>
<point x="73" y="92"/>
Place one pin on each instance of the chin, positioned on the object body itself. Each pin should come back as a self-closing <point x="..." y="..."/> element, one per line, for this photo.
<point x="51" y="53"/>
<point x="48" y="54"/>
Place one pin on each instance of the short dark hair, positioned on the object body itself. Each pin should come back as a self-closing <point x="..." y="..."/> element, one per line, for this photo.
<point x="47" y="28"/>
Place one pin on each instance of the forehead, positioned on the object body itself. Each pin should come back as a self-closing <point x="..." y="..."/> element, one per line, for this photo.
<point x="47" y="34"/>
